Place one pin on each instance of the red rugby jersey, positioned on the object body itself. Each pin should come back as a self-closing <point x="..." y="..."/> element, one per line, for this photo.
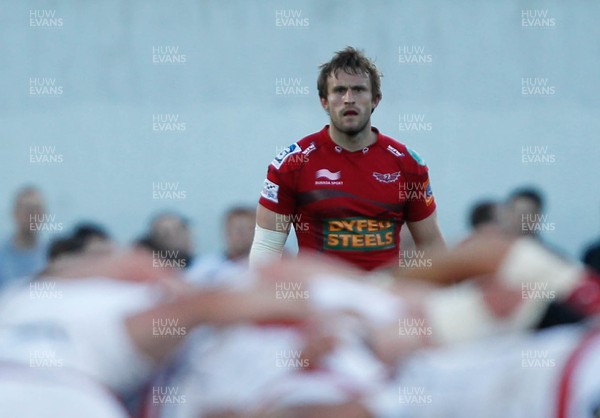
<point x="349" y="204"/>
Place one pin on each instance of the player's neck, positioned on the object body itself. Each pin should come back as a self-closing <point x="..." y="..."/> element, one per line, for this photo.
<point x="355" y="142"/>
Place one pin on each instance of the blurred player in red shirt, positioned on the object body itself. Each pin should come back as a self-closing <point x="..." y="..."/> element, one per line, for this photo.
<point x="347" y="189"/>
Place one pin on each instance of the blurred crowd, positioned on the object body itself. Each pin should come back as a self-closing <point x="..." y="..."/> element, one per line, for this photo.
<point x="31" y="247"/>
<point x="28" y="250"/>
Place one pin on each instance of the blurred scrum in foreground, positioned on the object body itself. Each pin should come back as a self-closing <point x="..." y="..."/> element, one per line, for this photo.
<point x="306" y="337"/>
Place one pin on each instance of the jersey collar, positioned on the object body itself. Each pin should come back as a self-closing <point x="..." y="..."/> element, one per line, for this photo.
<point x="336" y="148"/>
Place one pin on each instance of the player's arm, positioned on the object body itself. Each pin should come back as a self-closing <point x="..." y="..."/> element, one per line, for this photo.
<point x="270" y="235"/>
<point x="427" y="234"/>
<point x="208" y="307"/>
<point x="277" y="199"/>
<point x="508" y="297"/>
<point x="479" y="256"/>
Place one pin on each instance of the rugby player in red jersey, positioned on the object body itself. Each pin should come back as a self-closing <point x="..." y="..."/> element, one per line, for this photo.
<point x="347" y="189"/>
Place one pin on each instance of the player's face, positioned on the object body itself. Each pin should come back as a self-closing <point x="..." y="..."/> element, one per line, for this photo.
<point x="349" y="102"/>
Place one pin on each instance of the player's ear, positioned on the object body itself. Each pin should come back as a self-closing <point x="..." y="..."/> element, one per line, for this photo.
<point x="376" y="101"/>
<point x="324" y="103"/>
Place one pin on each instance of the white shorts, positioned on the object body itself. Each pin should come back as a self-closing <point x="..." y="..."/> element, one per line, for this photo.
<point x="41" y="393"/>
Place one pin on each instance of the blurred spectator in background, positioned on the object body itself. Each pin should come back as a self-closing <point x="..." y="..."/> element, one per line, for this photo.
<point x="591" y="256"/>
<point x="170" y="240"/>
<point x="239" y="232"/>
<point x="527" y="218"/>
<point x="526" y="206"/>
<point x="24" y="253"/>
<point x="239" y="222"/>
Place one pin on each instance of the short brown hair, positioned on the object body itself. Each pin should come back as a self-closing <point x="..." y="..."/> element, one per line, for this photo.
<point x="239" y="210"/>
<point x="351" y="61"/>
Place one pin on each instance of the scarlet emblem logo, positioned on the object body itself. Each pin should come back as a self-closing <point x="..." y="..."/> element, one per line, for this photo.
<point x="387" y="177"/>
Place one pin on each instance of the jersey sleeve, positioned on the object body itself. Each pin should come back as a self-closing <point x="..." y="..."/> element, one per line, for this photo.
<point x="279" y="189"/>
<point x="420" y="204"/>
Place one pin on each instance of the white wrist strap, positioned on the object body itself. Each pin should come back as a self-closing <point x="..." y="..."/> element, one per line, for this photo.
<point x="267" y="246"/>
